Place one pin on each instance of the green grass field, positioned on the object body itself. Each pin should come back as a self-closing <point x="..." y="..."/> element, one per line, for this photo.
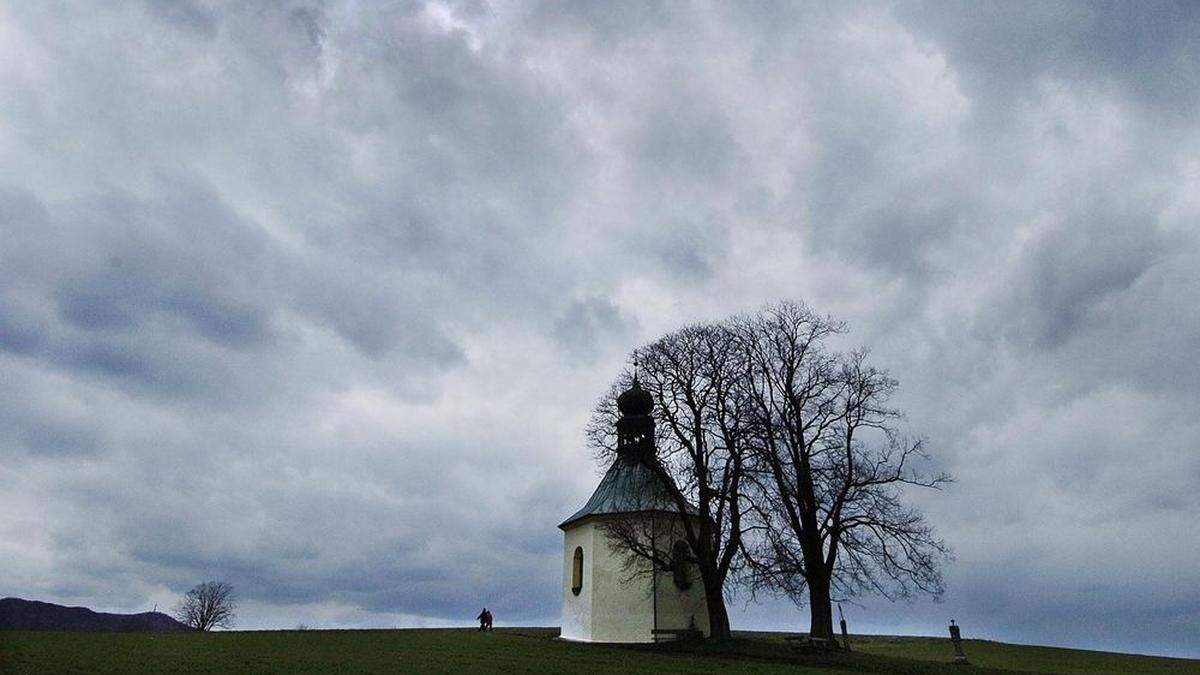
<point x="524" y="650"/>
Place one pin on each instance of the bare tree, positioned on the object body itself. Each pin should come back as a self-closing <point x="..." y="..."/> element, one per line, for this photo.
<point x="828" y="466"/>
<point x="209" y="605"/>
<point x="693" y="375"/>
<point x="789" y="465"/>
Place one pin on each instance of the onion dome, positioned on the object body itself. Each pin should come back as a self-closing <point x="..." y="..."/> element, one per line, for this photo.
<point x="635" y="401"/>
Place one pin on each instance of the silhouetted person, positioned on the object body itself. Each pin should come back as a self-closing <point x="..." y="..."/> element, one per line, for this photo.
<point x="483" y="619"/>
<point x="487" y="618"/>
<point x="956" y="639"/>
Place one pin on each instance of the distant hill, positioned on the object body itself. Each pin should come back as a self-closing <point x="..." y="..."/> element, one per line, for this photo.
<point x="18" y="614"/>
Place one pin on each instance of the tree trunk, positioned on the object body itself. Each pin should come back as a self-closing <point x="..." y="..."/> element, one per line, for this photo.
<point x="718" y="616"/>
<point x="820" y="607"/>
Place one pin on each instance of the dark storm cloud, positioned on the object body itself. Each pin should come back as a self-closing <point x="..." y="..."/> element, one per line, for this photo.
<point x="316" y="296"/>
<point x="1144" y="51"/>
<point x="585" y="323"/>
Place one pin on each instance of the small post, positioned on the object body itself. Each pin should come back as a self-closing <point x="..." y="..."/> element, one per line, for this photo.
<point x="956" y="639"/>
<point x="845" y="635"/>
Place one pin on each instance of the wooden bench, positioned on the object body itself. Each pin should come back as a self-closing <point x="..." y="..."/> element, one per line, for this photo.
<point x="807" y="642"/>
<point x="671" y="634"/>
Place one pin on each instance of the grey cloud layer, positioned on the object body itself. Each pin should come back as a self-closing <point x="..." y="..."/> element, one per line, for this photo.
<point x="316" y="296"/>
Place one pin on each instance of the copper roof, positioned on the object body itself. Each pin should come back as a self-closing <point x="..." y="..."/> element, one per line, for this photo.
<point x="630" y="485"/>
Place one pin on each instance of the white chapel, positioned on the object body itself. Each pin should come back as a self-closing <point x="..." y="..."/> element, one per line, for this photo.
<point x="605" y="600"/>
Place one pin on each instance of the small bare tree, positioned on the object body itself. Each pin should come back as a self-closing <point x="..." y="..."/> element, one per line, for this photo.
<point x="209" y="605"/>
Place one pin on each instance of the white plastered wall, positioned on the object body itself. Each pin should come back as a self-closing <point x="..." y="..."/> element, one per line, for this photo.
<point x="612" y="606"/>
<point x="679" y="608"/>
<point x="577" y="609"/>
<point x="622" y="608"/>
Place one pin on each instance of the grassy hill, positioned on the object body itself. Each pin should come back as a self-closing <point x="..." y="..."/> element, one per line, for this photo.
<point x="524" y="650"/>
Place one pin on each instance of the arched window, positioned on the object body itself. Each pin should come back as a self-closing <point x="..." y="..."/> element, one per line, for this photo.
<point x="577" y="571"/>
<point x="680" y="555"/>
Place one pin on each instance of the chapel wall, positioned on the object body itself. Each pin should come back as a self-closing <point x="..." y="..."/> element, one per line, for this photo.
<point x="577" y="609"/>
<point x="622" y="608"/>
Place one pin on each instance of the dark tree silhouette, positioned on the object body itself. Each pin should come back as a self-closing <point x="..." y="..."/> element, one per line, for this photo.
<point x="692" y="374"/>
<point x="209" y="605"/>
<point x="792" y="459"/>
<point x="828" y="466"/>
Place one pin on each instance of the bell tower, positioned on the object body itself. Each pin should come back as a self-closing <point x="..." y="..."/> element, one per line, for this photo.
<point x="635" y="428"/>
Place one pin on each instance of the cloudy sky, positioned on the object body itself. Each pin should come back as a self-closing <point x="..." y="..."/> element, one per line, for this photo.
<point x="316" y="297"/>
